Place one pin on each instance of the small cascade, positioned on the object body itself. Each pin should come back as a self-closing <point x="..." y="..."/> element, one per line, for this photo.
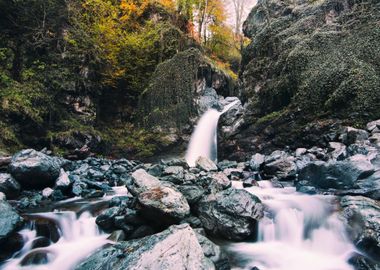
<point x="79" y="237"/>
<point x="298" y="232"/>
<point x="203" y="142"/>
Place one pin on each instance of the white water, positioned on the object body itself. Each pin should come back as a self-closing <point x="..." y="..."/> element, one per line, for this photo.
<point x="79" y="237"/>
<point x="298" y="232"/>
<point x="203" y="141"/>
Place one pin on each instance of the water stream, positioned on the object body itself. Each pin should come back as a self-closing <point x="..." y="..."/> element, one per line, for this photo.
<point x="298" y="232"/>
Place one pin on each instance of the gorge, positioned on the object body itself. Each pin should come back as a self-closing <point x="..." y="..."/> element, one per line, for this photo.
<point x="132" y="139"/>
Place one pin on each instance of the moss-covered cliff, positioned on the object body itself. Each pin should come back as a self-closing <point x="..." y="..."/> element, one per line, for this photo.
<point x="309" y="62"/>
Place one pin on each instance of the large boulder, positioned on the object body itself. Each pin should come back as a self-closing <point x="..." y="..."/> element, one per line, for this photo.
<point x="142" y="181"/>
<point x="206" y="164"/>
<point x="33" y="169"/>
<point x="176" y="248"/>
<point x="280" y="165"/>
<point x="232" y="214"/>
<point x="9" y="186"/>
<point x="362" y="217"/>
<point x="10" y="221"/>
<point x="337" y="174"/>
<point x="163" y="205"/>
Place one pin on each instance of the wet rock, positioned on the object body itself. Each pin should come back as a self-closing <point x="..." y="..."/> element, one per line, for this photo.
<point x="34" y="169"/>
<point x="164" y="205"/>
<point x="142" y="181"/>
<point x="9" y="186"/>
<point x="337" y="174"/>
<point x="106" y="219"/>
<point x="234" y="173"/>
<point x="206" y="164"/>
<point x="337" y="151"/>
<point x="193" y="221"/>
<point x="362" y="217"/>
<point x="256" y="161"/>
<point x="117" y="236"/>
<point x="47" y="192"/>
<point x="173" y="249"/>
<point x="2" y="196"/>
<point x="10" y="221"/>
<point x="232" y="214"/>
<point x="220" y="181"/>
<point x="300" y="152"/>
<point x="141" y="231"/>
<point x="371" y="126"/>
<point x="227" y="164"/>
<point x="352" y="135"/>
<point x="370" y="186"/>
<point x="131" y="217"/>
<point x="63" y="182"/>
<point x="192" y="193"/>
<point x="280" y="165"/>
<point x="213" y="252"/>
<point x="93" y="193"/>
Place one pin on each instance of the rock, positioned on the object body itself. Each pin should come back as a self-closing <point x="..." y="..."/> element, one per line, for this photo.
<point x="141" y="231"/>
<point x="375" y="138"/>
<point x="213" y="252"/>
<point x="34" y="169"/>
<point x="10" y="221"/>
<point x="192" y="193"/>
<point x="164" y="205"/>
<point x="173" y="249"/>
<point x="256" y="161"/>
<point x="362" y="217"/>
<point x="142" y="181"/>
<point x="2" y="196"/>
<point x="352" y="135"/>
<point x="220" y="181"/>
<point x="63" y="181"/>
<point x="280" y="165"/>
<point x="117" y="236"/>
<point x="232" y="214"/>
<point x="300" y="151"/>
<point x="371" y="126"/>
<point x="206" y="164"/>
<point x="106" y="219"/>
<point x="337" y="174"/>
<point x="337" y="151"/>
<point x="370" y="186"/>
<point x="9" y="186"/>
<point x="47" y="192"/>
<point x="227" y="164"/>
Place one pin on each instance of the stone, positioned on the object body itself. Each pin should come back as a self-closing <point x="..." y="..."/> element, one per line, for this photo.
<point x="63" y="181"/>
<point x="337" y="174"/>
<point x="227" y="164"/>
<point x="213" y="252"/>
<point x="142" y="181"/>
<point x="106" y="218"/>
<point x="280" y="165"/>
<point x="362" y="218"/>
<point x="192" y="193"/>
<point x="206" y="164"/>
<point x="173" y="249"/>
<point x="231" y="214"/>
<point x="352" y="135"/>
<point x="34" y="169"/>
<point x="163" y="205"/>
<point x="256" y="161"/>
<point x="47" y="192"/>
<point x="300" y="151"/>
<point x="373" y="125"/>
<point x="220" y="181"/>
<point x="10" y="221"/>
<point x="9" y="186"/>
<point x="337" y="151"/>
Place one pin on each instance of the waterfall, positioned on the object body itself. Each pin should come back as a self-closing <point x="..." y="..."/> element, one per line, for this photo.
<point x="298" y="232"/>
<point x="203" y="142"/>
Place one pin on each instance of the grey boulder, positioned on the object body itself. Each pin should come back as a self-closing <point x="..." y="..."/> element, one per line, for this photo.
<point x="9" y="186"/>
<point x="231" y="214"/>
<point x="33" y="169"/>
<point x="142" y="181"/>
<point x="176" y="248"/>
<point x="10" y="221"/>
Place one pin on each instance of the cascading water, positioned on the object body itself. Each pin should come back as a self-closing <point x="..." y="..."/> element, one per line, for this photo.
<point x="203" y="142"/>
<point x="298" y="232"/>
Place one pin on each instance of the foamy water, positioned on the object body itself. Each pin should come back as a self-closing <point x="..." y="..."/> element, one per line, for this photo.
<point x="298" y="232"/>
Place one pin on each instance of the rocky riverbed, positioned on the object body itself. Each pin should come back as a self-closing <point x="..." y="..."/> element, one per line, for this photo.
<point x="167" y="215"/>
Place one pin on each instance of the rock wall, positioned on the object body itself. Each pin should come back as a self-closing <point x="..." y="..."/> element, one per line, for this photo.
<point x="180" y="90"/>
<point x="309" y="64"/>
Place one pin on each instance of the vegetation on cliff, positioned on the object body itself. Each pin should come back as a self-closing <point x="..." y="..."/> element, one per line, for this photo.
<point x="71" y="69"/>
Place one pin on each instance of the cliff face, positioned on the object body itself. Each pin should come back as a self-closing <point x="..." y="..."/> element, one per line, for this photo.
<point x="309" y="63"/>
<point x="181" y="89"/>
